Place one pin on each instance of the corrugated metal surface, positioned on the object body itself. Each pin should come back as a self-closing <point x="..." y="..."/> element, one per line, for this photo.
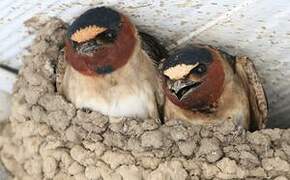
<point x="258" y="29"/>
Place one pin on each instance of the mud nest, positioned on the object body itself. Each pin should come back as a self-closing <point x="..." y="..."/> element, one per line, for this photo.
<point x="49" y="138"/>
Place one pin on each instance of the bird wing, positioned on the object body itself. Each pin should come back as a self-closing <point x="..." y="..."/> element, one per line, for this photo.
<point x="156" y="52"/>
<point x="246" y="70"/>
<point x="153" y="48"/>
<point x="59" y="71"/>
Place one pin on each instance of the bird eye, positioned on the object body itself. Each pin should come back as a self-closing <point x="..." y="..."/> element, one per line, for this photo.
<point x="110" y="36"/>
<point x="200" y="69"/>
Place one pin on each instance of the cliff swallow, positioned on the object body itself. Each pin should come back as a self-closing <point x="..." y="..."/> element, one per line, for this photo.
<point x="111" y="66"/>
<point x="205" y="85"/>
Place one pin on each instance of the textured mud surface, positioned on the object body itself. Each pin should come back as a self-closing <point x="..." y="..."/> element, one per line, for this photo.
<point x="48" y="138"/>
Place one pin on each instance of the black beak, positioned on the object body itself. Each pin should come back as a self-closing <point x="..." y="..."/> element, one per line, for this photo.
<point x="181" y="88"/>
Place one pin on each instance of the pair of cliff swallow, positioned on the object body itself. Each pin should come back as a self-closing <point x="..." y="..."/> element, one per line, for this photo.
<point x="118" y="71"/>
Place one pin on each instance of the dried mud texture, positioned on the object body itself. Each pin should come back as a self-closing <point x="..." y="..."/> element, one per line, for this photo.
<point x="48" y="138"/>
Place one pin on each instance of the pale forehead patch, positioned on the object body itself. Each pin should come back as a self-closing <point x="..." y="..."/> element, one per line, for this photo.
<point x="179" y="71"/>
<point x="87" y="33"/>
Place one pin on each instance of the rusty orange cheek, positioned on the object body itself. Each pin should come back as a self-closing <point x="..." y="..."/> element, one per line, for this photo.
<point x="212" y="86"/>
<point x="76" y="61"/>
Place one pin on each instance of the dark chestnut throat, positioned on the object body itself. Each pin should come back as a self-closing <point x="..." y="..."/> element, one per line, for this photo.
<point x="198" y="104"/>
<point x="107" y="57"/>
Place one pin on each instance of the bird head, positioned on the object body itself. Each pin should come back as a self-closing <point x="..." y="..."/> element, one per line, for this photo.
<point x="100" y="41"/>
<point x="193" y="77"/>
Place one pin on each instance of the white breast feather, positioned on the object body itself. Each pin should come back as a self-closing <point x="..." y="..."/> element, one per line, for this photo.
<point x="132" y="96"/>
<point x="133" y="105"/>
